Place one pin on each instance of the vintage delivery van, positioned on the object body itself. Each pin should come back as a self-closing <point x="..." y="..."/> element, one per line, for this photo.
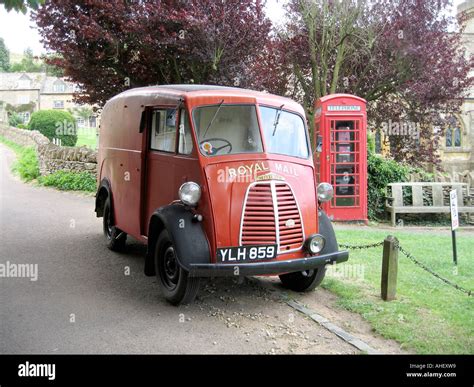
<point x="217" y="181"/>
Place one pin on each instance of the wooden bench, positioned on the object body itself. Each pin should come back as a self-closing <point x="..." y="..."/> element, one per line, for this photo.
<point x="425" y="198"/>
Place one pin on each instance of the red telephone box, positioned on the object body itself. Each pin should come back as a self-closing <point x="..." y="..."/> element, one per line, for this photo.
<point x="341" y="132"/>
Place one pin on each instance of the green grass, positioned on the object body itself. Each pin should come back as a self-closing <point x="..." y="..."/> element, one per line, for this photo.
<point x="87" y="137"/>
<point x="12" y="145"/>
<point x="69" y="181"/>
<point x="428" y="316"/>
<point x="26" y="164"/>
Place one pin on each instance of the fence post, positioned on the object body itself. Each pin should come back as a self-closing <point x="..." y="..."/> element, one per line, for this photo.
<point x="389" y="268"/>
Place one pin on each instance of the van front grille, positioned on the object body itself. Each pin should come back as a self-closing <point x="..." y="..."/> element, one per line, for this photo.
<point x="258" y="226"/>
<point x="271" y="216"/>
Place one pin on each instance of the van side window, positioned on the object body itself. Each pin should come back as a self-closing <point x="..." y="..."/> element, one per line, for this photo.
<point x="163" y="130"/>
<point x="185" y="145"/>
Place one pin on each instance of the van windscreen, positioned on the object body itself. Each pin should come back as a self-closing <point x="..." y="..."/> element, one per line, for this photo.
<point x="284" y="132"/>
<point x="227" y="129"/>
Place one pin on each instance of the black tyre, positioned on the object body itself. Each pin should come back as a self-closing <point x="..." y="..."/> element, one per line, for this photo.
<point x="115" y="237"/>
<point x="176" y="285"/>
<point x="303" y="281"/>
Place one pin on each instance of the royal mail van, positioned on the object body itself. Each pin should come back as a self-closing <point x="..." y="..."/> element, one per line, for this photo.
<point x="217" y="181"/>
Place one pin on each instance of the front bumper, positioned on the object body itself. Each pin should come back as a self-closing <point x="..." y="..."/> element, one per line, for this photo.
<point x="265" y="268"/>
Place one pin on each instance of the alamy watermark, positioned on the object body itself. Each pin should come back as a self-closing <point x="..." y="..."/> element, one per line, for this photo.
<point x="346" y="270"/>
<point x="401" y="128"/>
<point x="19" y="270"/>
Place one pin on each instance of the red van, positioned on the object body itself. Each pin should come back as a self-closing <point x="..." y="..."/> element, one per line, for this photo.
<point x="217" y="181"/>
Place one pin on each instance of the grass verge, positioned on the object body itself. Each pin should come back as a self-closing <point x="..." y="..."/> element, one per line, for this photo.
<point x="69" y="181"/>
<point x="428" y="316"/>
<point x="26" y="166"/>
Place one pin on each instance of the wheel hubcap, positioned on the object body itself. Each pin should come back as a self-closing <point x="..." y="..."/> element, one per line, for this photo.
<point x="170" y="268"/>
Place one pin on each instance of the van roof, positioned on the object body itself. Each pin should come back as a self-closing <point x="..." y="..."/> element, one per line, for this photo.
<point x="183" y="90"/>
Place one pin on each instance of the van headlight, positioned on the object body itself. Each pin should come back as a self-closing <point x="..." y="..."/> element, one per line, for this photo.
<point x="189" y="193"/>
<point x="325" y="192"/>
<point x="315" y="243"/>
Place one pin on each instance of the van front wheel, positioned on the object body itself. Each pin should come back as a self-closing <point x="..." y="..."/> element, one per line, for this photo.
<point x="175" y="283"/>
<point x="303" y="281"/>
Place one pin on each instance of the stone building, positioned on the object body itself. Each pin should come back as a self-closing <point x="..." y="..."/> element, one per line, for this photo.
<point x="457" y="149"/>
<point x="35" y="91"/>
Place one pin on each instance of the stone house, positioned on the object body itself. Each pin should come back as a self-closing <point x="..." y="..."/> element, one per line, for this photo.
<point x="35" y="91"/>
<point x="457" y="150"/>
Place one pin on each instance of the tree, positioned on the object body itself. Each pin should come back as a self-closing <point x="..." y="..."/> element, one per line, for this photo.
<point x="28" y="63"/>
<point x="107" y="47"/>
<point x="20" y="5"/>
<point x="398" y="55"/>
<point x="50" y="67"/>
<point x="83" y="112"/>
<point x="4" y="56"/>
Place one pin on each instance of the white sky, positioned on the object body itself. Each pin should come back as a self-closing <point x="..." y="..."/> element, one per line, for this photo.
<point x="19" y="32"/>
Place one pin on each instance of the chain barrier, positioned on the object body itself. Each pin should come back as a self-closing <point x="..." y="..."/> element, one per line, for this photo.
<point x="361" y="247"/>
<point x="414" y="260"/>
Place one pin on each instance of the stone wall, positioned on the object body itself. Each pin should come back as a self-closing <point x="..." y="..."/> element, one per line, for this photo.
<point x="23" y="137"/>
<point x="51" y="157"/>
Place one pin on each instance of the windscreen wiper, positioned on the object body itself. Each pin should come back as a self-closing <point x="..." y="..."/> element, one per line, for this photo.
<point x="277" y="119"/>
<point x="213" y="118"/>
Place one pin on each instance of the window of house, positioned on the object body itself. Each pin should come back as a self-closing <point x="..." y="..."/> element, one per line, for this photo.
<point x="163" y="130"/>
<point x="58" y="104"/>
<point x="80" y="122"/>
<point x="453" y="137"/>
<point x="59" y="87"/>
<point x="185" y="145"/>
<point x="24" y="116"/>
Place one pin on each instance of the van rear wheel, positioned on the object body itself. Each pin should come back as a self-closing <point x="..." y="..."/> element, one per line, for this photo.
<point x="175" y="283"/>
<point x="303" y="281"/>
<point x="115" y="237"/>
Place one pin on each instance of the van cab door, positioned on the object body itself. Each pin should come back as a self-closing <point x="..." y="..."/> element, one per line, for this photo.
<point x="169" y="159"/>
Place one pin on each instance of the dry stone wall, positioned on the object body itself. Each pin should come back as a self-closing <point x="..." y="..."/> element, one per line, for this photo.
<point x="52" y="157"/>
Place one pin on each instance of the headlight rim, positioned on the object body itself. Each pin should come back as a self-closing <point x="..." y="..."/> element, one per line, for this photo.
<point x="181" y="193"/>
<point x="308" y="241"/>
<point x="331" y="192"/>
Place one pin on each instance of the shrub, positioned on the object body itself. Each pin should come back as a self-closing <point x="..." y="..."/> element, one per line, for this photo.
<point x="55" y="124"/>
<point x="26" y="164"/>
<point x="14" y="119"/>
<point x="70" y="181"/>
<point x="381" y="172"/>
<point x="22" y="126"/>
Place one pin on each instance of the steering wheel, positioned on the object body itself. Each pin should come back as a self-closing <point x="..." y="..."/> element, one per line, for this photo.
<point x="214" y="151"/>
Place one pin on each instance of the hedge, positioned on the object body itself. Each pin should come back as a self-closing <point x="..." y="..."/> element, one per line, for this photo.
<point x="55" y="124"/>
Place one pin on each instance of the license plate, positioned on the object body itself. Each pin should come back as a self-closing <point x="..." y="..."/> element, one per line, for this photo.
<point x="246" y="253"/>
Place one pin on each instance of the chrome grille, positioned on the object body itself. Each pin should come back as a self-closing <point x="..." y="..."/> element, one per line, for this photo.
<point x="271" y="216"/>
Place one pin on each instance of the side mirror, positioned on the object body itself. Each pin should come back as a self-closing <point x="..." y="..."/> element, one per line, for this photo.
<point x="319" y="144"/>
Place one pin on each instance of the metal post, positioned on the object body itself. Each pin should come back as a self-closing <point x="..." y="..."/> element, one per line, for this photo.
<point x="455" y="254"/>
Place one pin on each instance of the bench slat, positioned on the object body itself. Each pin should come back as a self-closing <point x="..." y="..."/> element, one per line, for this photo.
<point x="417" y="195"/>
<point x="437" y="196"/>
